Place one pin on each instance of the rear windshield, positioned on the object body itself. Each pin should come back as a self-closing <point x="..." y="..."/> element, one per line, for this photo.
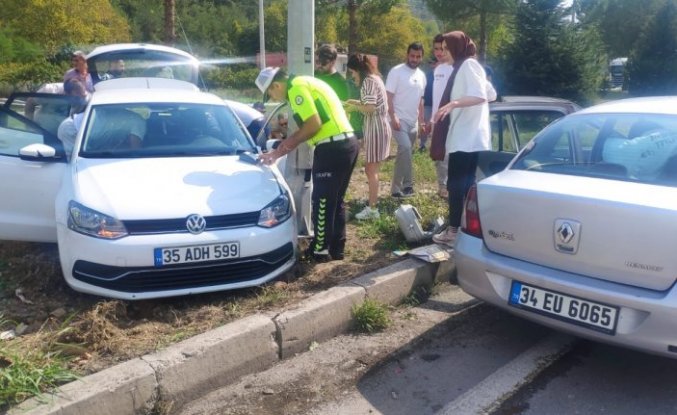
<point x="634" y="147"/>
<point x="142" y="63"/>
<point x="163" y="130"/>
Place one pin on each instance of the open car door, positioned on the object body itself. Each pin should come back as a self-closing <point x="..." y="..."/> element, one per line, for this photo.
<point x="513" y="125"/>
<point x="32" y="165"/>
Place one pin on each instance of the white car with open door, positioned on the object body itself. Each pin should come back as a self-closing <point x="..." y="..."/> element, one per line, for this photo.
<point x="161" y="194"/>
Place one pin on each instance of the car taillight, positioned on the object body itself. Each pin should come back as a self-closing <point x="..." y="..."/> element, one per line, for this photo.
<point x="471" y="214"/>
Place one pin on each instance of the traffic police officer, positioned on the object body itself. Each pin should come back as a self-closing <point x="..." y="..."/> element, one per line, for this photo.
<point x="323" y="123"/>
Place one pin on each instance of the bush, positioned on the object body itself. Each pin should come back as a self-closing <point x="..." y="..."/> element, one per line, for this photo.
<point x="232" y="77"/>
<point x="371" y="316"/>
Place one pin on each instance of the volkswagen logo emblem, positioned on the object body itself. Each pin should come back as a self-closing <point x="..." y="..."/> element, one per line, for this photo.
<point x="196" y="224"/>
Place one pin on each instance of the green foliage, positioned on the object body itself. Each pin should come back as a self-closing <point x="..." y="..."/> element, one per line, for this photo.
<point x="417" y="296"/>
<point x="24" y="375"/>
<point x="474" y="17"/>
<point x="550" y="56"/>
<point x="30" y="75"/>
<point x="234" y="76"/>
<point x="618" y="21"/>
<point x="390" y="36"/>
<point x="371" y="316"/>
<point x="652" y="68"/>
<point x="54" y="23"/>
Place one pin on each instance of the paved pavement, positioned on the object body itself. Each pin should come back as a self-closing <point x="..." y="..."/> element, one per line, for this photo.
<point x="217" y="358"/>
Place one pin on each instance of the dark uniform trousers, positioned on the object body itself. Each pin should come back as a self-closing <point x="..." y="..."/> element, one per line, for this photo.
<point x="333" y="165"/>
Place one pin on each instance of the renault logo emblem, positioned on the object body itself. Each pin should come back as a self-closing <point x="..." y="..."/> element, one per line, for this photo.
<point x="565" y="232"/>
<point x="196" y="224"/>
<point x="567" y="235"/>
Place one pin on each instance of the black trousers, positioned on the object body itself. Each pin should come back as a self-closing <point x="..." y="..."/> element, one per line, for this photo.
<point x="333" y="165"/>
<point x="461" y="177"/>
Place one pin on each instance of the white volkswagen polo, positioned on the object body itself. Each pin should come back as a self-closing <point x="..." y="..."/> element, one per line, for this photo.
<point x="160" y="195"/>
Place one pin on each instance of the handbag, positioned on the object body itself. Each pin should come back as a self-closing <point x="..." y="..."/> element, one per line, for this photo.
<point x="438" y="141"/>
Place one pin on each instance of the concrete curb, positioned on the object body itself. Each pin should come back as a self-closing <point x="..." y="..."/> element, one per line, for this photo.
<point x="195" y="366"/>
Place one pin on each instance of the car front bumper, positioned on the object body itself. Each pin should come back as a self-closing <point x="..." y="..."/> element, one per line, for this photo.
<point x="125" y="269"/>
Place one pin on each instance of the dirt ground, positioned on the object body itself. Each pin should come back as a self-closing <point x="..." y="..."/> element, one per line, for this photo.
<point x="96" y="333"/>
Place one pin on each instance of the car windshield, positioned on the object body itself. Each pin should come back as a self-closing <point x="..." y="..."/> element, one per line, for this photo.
<point x="163" y="130"/>
<point x="631" y="147"/>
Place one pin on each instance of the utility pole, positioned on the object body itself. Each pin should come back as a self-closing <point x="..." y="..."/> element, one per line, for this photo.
<point x="262" y="38"/>
<point x="170" y="17"/>
<point x="301" y="61"/>
<point x="301" y="37"/>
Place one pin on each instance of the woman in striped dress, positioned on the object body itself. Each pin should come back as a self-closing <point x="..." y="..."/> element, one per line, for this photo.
<point x="373" y="104"/>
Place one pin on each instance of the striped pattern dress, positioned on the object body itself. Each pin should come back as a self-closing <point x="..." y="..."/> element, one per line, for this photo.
<point x="377" y="132"/>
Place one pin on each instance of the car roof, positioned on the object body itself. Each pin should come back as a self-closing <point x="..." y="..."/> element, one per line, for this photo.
<point x="644" y="105"/>
<point x="532" y="99"/>
<point x="526" y="102"/>
<point x="140" y="90"/>
<point x="130" y="47"/>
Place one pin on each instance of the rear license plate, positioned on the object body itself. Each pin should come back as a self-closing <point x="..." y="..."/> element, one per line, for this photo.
<point x="196" y="253"/>
<point x="586" y="313"/>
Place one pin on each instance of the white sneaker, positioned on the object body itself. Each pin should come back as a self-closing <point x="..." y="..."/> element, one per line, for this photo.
<point x="446" y="237"/>
<point x="368" y="213"/>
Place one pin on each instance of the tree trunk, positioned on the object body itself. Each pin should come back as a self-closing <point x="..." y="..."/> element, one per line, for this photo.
<point x="352" y="26"/>
<point x="170" y="14"/>
<point x="482" y="52"/>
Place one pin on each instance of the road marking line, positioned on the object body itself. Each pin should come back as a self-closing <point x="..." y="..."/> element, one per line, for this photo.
<point x="501" y="384"/>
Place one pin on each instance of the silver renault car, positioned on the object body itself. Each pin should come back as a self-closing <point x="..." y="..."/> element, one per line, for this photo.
<point x="579" y="231"/>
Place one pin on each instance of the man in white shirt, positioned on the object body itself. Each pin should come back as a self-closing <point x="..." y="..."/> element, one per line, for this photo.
<point x="405" y="86"/>
<point x="440" y="78"/>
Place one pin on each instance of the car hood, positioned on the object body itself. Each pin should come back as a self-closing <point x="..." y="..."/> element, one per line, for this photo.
<point x="612" y="230"/>
<point x="173" y="187"/>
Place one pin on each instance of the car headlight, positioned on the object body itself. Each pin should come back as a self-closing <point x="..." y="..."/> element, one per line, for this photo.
<point x="87" y="221"/>
<point x="278" y="211"/>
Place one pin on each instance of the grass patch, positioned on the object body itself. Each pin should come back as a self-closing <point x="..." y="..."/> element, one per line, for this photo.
<point x="25" y="374"/>
<point x="417" y="296"/>
<point x="371" y="316"/>
<point x="269" y="296"/>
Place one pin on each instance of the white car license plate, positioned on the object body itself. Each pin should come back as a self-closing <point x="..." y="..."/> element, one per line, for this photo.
<point x="586" y="313"/>
<point x="196" y="253"/>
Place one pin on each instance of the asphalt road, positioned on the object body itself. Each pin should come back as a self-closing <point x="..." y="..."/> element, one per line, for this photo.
<point x="452" y="355"/>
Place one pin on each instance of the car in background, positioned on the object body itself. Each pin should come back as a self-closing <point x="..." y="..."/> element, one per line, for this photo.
<point x="160" y="195"/>
<point x="515" y="120"/>
<point x="142" y="60"/>
<point x="578" y="232"/>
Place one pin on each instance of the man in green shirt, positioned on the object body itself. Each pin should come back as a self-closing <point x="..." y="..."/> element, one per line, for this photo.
<point x="323" y="123"/>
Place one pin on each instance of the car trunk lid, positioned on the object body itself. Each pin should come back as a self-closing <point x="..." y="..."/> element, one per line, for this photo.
<point x="612" y="230"/>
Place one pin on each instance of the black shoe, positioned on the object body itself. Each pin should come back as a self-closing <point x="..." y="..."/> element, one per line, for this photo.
<point x="337" y="256"/>
<point x="397" y="195"/>
<point x="408" y="192"/>
<point x="322" y="256"/>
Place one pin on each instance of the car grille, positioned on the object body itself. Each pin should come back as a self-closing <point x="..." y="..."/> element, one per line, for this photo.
<point x="148" y="279"/>
<point x="145" y="227"/>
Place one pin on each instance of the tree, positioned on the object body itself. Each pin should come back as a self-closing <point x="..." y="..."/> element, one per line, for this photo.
<point x="52" y="24"/>
<point x="352" y="7"/>
<point x="392" y="33"/>
<point x="652" y="67"/>
<point x="453" y="10"/>
<point x="551" y="56"/>
<point x="618" y="21"/>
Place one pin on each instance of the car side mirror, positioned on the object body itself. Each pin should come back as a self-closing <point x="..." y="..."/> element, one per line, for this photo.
<point x="38" y="152"/>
